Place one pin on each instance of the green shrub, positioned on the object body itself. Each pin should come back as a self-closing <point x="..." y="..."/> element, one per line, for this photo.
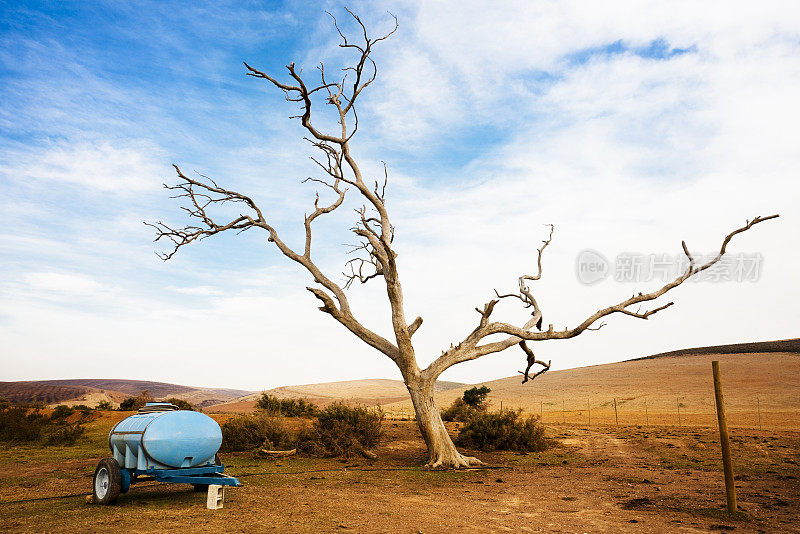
<point x="248" y="432"/>
<point x="66" y="434"/>
<point x="180" y="403"/>
<point x="85" y="410"/>
<point x="104" y="405"/>
<point x="461" y="411"/>
<point x="471" y="403"/>
<point x="342" y="430"/>
<point x="61" y="412"/>
<point x="503" y="431"/>
<point x="18" y="424"/>
<point x="134" y="403"/>
<point x="4" y="403"/>
<point x="287" y="407"/>
<point x="476" y="397"/>
<point x="22" y="424"/>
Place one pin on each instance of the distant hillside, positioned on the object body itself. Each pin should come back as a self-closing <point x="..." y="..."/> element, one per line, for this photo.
<point x="369" y="392"/>
<point x="656" y="388"/>
<point x="93" y="390"/>
<point x="783" y="345"/>
<point x="24" y="392"/>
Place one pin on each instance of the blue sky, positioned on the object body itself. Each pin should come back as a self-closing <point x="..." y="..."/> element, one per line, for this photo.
<point x="628" y="129"/>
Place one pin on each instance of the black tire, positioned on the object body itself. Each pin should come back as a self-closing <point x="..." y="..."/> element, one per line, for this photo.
<point x="107" y="481"/>
<point x="204" y="487"/>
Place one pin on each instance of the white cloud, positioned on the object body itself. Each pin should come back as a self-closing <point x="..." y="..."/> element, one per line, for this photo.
<point x="61" y="282"/>
<point x="105" y="166"/>
<point x="622" y="153"/>
<point x="204" y="291"/>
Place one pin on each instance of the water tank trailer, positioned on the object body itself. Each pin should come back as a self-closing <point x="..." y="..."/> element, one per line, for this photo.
<point x="164" y="444"/>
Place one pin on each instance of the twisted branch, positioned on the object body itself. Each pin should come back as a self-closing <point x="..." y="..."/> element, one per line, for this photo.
<point x="203" y="194"/>
<point x="470" y="349"/>
<point x="531" y="362"/>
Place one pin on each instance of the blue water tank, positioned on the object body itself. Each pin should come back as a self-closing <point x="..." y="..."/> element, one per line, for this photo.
<point x="161" y="437"/>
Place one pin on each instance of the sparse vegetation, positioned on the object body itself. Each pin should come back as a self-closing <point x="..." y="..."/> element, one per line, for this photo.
<point x="248" y="432"/>
<point x="471" y="403"/>
<point x="85" y="410"/>
<point x="61" y="412"/>
<point x="287" y="407"/>
<point x="342" y="430"/>
<point x="21" y="424"/>
<point x="476" y="396"/>
<point x="64" y="434"/>
<point x="339" y="430"/>
<point x="134" y="403"/>
<point x="180" y="403"/>
<point x="104" y="405"/>
<point x="503" y="431"/>
<point x="460" y="411"/>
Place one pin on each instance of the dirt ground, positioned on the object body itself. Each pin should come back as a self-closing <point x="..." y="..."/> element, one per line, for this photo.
<point x="597" y="479"/>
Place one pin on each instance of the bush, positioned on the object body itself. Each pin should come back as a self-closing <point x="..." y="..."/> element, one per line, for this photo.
<point x="134" y="403"/>
<point x="476" y="397"/>
<point x="471" y="403"/>
<point x="104" y="405"/>
<point x="18" y="425"/>
<point x="287" y="407"/>
<point x="503" y="431"/>
<point x="341" y="430"/>
<point x="248" y="432"/>
<point x="85" y="410"/>
<point x="66" y="434"/>
<point x="4" y="403"/>
<point x="460" y="411"/>
<point x="61" y="412"/>
<point x="22" y="424"/>
<point x="180" y="403"/>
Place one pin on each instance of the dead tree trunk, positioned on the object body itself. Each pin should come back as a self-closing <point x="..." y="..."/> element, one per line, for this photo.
<point x="442" y="451"/>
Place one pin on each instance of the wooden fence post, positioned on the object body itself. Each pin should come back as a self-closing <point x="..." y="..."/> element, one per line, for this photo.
<point x="730" y="489"/>
<point x="616" y="417"/>
<point x="716" y="415"/>
<point x="563" y="411"/>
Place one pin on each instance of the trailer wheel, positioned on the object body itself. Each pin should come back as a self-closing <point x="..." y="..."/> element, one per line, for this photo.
<point x="204" y="487"/>
<point x="107" y="481"/>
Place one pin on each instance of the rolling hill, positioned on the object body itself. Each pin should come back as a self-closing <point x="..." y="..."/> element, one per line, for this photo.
<point x="91" y="391"/>
<point x="655" y="389"/>
<point x="761" y="381"/>
<point x="369" y="392"/>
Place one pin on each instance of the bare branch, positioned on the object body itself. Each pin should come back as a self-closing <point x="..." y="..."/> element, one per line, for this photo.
<point x="413" y="327"/>
<point x="470" y="349"/>
<point x="538" y="275"/>
<point x="531" y="359"/>
<point x="202" y="195"/>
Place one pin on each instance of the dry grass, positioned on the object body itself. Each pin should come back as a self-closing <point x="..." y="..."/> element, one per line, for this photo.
<point x="650" y="391"/>
<point x="595" y="480"/>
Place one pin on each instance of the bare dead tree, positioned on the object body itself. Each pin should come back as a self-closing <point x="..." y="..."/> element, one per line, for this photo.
<point x="374" y="256"/>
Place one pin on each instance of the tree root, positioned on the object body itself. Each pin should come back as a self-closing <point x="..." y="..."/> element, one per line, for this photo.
<point x="457" y="461"/>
